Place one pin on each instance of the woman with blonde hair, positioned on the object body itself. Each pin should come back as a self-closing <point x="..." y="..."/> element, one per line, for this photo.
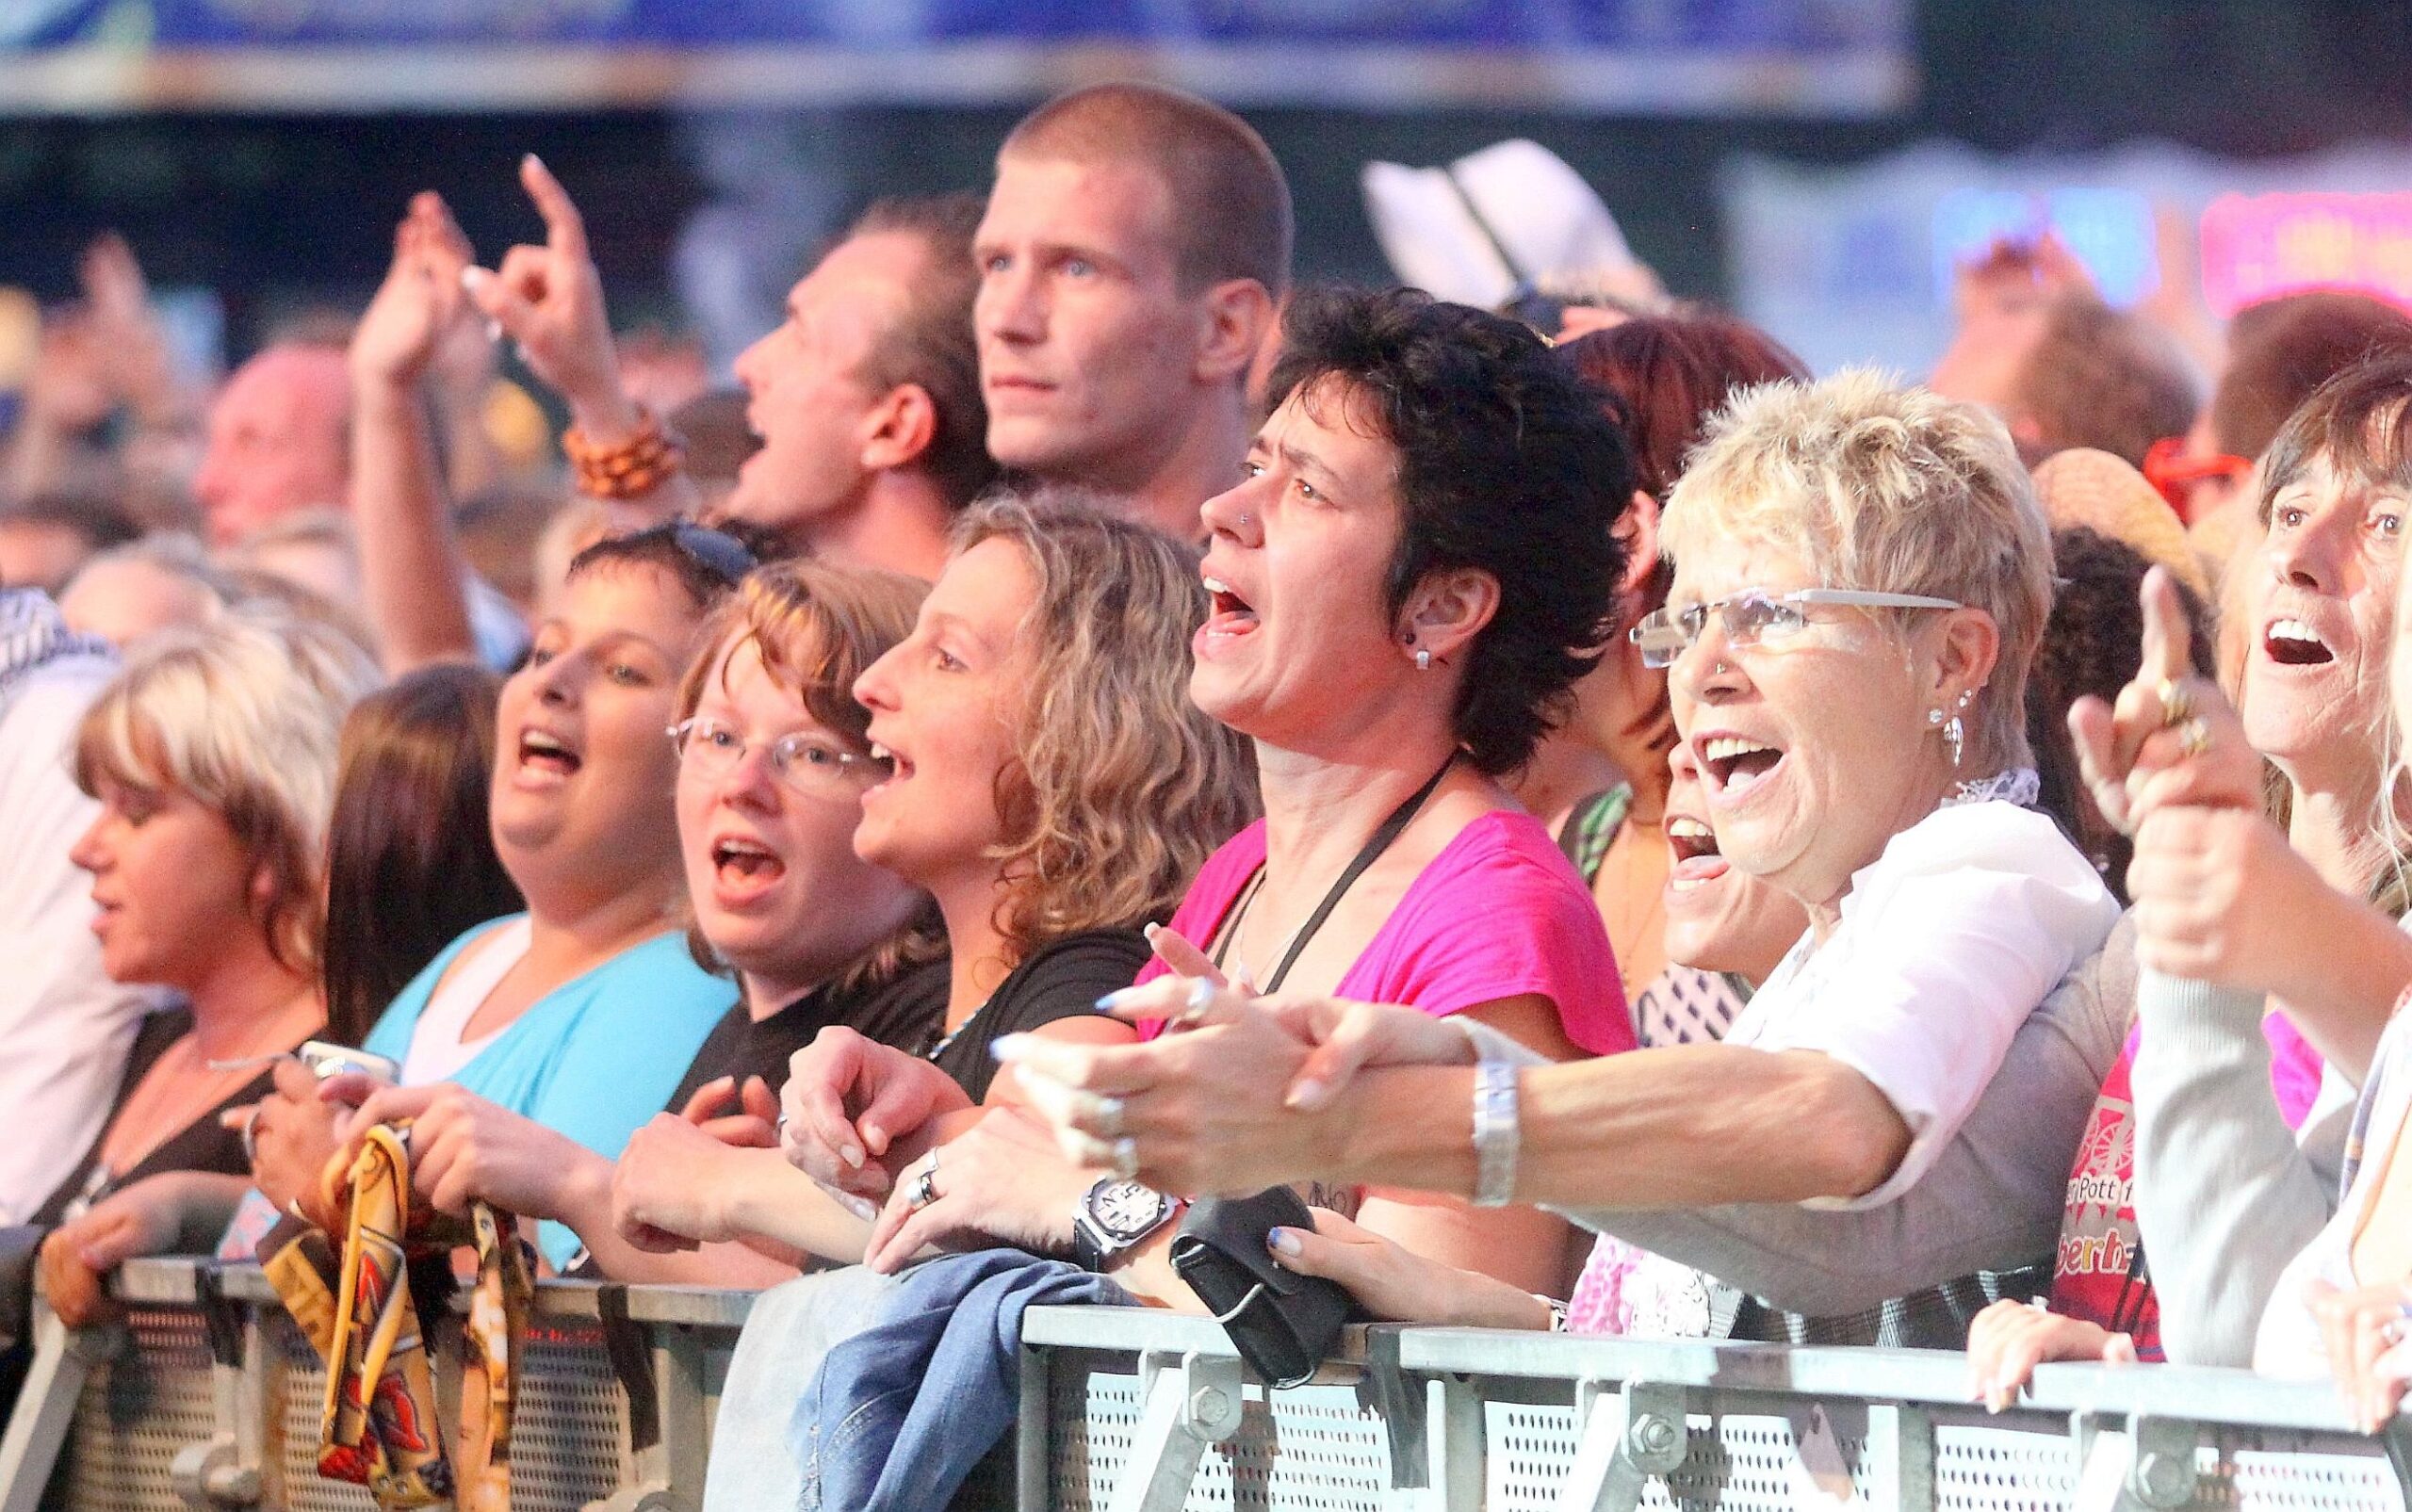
<point x="1049" y="788"/>
<point x="213" y="755"/>
<point x="1861" y="575"/>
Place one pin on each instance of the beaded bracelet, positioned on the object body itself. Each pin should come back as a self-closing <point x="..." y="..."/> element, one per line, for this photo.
<point x="627" y="469"/>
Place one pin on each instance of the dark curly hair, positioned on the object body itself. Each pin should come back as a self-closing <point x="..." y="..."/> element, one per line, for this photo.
<point x="2093" y="643"/>
<point x="1509" y="463"/>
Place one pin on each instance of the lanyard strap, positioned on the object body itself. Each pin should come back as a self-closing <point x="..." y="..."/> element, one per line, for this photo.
<point x="1379" y="841"/>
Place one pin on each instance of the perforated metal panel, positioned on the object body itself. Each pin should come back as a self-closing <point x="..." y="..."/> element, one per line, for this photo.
<point x="2260" y="1480"/>
<point x="1312" y="1449"/>
<point x="1526" y="1450"/>
<point x="569" y="1441"/>
<point x="2002" y="1469"/>
<point x="138" y="1411"/>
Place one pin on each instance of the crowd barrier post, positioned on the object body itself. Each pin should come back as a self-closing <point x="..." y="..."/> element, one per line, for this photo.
<point x="62" y="1361"/>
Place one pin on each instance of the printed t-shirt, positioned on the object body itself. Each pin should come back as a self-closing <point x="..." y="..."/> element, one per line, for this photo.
<point x="2101" y="1274"/>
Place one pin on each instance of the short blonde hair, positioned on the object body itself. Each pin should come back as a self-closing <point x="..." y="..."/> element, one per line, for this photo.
<point x="1121" y="789"/>
<point x="1879" y="485"/>
<point x="243" y="715"/>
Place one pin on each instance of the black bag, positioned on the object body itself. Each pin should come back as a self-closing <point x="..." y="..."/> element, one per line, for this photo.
<point x="1282" y="1323"/>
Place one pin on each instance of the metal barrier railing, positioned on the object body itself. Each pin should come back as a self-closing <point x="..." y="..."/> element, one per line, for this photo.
<point x="1149" y="1413"/>
<point x="207" y="1397"/>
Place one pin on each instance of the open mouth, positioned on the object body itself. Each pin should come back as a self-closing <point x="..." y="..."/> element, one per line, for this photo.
<point x="1693" y="857"/>
<point x="1231" y="614"/>
<point x="542" y="752"/>
<point x="891" y="767"/>
<point x="2293" y="644"/>
<point x="1734" y="763"/>
<point x="744" y="865"/>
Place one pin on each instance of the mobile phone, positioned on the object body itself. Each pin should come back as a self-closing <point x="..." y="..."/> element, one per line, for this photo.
<point x="325" y="1060"/>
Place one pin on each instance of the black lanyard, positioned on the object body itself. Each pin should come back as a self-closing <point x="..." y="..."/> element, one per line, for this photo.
<point x="1380" y="840"/>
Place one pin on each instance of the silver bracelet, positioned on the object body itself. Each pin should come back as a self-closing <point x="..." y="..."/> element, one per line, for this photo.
<point x="1494" y="1135"/>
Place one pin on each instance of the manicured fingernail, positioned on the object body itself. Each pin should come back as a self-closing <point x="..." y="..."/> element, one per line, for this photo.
<point x="532" y="159"/>
<point x="1307" y="1093"/>
<point x="1284" y="1241"/>
<point x="1009" y="1047"/>
<point x="1201" y="992"/>
<point x="1115" y="1000"/>
<point x="1148" y="931"/>
<point x="851" y="1155"/>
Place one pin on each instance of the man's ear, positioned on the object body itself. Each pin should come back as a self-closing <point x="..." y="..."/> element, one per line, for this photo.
<point x="1234" y="317"/>
<point x="1447" y="610"/>
<point x="899" y="429"/>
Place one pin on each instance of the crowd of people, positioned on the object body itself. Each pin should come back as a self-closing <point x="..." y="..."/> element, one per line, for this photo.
<point x="1606" y="831"/>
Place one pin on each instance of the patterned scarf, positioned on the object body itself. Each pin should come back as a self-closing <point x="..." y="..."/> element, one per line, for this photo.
<point x="32" y="635"/>
<point x="377" y="1427"/>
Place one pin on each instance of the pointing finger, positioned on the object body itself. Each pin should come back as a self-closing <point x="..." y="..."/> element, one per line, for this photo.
<point x="564" y="229"/>
<point x="2168" y="643"/>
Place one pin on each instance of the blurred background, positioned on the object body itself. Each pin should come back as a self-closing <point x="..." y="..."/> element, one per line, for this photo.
<point x="1819" y="164"/>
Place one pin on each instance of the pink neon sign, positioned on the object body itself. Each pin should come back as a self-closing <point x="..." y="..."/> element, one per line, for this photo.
<point x="2259" y="246"/>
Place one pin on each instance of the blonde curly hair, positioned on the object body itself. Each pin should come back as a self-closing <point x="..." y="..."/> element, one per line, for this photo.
<point x="1120" y="788"/>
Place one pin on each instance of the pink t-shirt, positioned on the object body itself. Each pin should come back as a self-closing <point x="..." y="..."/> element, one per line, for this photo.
<point x="1499" y="912"/>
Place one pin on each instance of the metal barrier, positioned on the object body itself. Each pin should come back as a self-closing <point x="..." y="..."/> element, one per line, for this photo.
<point x="207" y="1396"/>
<point x="1148" y="1413"/>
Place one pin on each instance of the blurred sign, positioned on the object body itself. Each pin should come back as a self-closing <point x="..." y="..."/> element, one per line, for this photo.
<point x="1799" y="57"/>
<point x="1856" y="263"/>
<point x="2270" y="244"/>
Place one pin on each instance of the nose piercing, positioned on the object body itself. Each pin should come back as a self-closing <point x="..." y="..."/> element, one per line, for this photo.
<point x="1247" y="520"/>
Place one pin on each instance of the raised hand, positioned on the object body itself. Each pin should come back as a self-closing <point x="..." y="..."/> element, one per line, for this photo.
<point x="420" y="308"/>
<point x="2173" y="738"/>
<point x="549" y="299"/>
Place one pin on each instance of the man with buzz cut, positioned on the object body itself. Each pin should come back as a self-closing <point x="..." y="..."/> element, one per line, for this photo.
<point x="1131" y="262"/>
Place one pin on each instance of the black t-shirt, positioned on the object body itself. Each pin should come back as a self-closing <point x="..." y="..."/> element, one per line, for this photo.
<point x="905" y="1012"/>
<point x="1063" y="979"/>
<point x="203" y="1145"/>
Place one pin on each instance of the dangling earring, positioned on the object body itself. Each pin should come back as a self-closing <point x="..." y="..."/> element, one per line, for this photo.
<point x="1954" y="734"/>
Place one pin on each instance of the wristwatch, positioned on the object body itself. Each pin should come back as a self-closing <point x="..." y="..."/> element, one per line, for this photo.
<point x="1114" y="1215"/>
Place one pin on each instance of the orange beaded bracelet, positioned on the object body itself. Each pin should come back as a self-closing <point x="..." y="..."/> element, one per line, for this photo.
<point x="626" y="469"/>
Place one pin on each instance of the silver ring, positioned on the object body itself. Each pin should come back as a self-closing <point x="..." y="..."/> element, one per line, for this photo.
<point x="251" y="1140"/>
<point x="1109" y="1118"/>
<point x="924" y="1190"/>
<point x="1126" y="1157"/>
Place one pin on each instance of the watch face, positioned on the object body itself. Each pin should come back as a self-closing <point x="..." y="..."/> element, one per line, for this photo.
<point x="1123" y="1208"/>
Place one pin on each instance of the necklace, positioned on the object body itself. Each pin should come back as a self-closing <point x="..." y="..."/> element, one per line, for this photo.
<point x="1379" y="841"/>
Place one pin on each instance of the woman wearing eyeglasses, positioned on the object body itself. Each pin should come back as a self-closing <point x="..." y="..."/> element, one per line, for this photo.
<point x="773" y="759"/>
<point x="1861" y="576"/>
<point x="582" y="1012"/>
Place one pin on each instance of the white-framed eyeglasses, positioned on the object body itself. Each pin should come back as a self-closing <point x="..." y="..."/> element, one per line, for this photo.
<point x="810" y="764"/>
<point x="1756" y="615"/>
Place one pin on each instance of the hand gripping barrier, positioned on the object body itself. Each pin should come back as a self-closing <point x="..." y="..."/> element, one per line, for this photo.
<point x="1436" y="1420"/>
<point x="207" y="1397"/>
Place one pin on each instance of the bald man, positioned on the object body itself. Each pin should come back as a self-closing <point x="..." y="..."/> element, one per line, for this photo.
<point x="279" y="441"/>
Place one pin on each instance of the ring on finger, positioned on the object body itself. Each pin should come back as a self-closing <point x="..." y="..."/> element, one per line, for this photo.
<point x="924" y="1190"/>
<point x="2195" y="736"/>
<point x="2176" y="702"/>
<point x="1109" y="1116"/>
<point x="1126" y="1157"/>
